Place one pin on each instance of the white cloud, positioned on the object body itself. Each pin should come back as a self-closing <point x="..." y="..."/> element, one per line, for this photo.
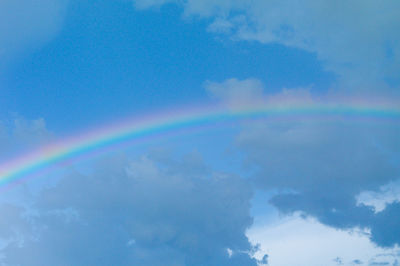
<point x="379" y="199"/>
<point x="235" y="91"/>
<point x="241" y="93"/>
<point x="142" y="4"/>
<point x="305" y="242"/>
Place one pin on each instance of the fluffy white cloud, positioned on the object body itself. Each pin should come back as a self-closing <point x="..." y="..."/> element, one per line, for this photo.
<point x="379" y="199"/>
<point x="310" y="243"/>
<point x="236" y="91"/>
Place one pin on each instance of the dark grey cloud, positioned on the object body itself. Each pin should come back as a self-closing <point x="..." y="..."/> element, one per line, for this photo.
<point x="135" y="213"/>
<point x="326" y="165"/>
<point x="385" y="229"/>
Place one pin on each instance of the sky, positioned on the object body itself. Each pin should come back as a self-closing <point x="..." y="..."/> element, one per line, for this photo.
<point x="198" y="132"/>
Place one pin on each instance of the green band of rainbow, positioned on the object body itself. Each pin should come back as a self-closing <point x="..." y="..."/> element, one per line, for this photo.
<point x="90" y="141"/>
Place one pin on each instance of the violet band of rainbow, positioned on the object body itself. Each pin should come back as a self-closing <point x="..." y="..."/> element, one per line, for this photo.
<point x="111" y="134"/>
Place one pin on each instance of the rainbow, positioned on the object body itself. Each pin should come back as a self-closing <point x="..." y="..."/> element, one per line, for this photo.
<point x="112" y="135"/>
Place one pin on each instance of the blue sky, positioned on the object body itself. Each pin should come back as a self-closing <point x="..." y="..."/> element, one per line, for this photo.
<point x="263" y="192"/>
<point x="158" y="60"/>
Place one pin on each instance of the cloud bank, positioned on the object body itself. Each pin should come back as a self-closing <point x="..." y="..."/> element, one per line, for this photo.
<point x="134" y="213"/>
<point x="319" y="167"/>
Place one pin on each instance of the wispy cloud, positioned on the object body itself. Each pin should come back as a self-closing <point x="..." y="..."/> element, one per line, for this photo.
<point x="27" y="24"/>
<point x="357" y="40"/>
